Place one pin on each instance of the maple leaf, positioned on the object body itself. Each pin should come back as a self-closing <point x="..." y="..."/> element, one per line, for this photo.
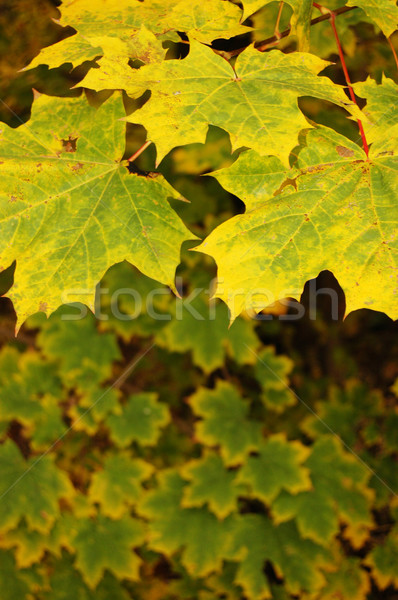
<point x="30" y="489"/>
<point x="381" y="109"/>
<point x="75" y="210"/>
<point x="278" y="466"/>
<point x="29" y="545"/>
<point x="383" y="12"/>
<point x="201" y="535"/>
<point x="140" y="419"/>
<point x="224" y="422"/>
<point x="297" y="560"/>
<point x="130" y="313"/>
<point x="12" y="581"/>
<point x="65" y="582"/>
<point x="210" y="483"/>
<point x="270" y="251"/>
<point x="77" y="49"/>
<point x="118" y="485"/>
<point x="191" y="92"/>
<point x="127" y="35"/>
<point x="339" y="494"/>
<point x="219" y="20"/>
<point x="212" y="340"/>
<point x="91" y="361"/>
<point x="31" y="395"/>
<point x="103" y="543"/>
<point x="347" y="580"/>
<point x="383" y="561"/>
<point x="346" y="412"/>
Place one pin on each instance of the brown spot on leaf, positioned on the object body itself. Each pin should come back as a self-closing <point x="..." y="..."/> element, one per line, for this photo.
<point x="343" y="151"/>
<point x="77" y="166"/>
<point x="69" y="145"/>
<point x="43" y="306"/>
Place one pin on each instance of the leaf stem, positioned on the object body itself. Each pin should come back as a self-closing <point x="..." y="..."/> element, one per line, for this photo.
<point x="139" y="151"/>
<point x="277" y="33"/>
<point x="331" y="15"/>
<point x="393" y="50"/>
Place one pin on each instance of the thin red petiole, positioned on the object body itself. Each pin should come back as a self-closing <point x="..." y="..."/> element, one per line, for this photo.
<point x="393" y="50"/>
<point x="332" y="21"/>
<point x="139" y="151"/>
<point x="277" y="33"/>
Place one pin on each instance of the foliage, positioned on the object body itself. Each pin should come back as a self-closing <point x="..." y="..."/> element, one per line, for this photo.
<point x="184" y="456"/>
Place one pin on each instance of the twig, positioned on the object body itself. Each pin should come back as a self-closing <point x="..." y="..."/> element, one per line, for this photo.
<point x="263" y="44"/>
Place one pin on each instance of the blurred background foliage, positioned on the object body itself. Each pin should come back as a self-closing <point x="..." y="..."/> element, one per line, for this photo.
<point x="344" y="370"/>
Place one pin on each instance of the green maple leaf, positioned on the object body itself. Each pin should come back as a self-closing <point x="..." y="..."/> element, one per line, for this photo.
<point x="191" y="92"/>
<point x="297" y="560"/>
<point x="30" y="489"/>
<point x="272" y="370"/>
<point x="13" y="584"/>
<point x="339" y="494"/>
<point x="29" y="545"/>
<point x="31" y="395"/>
<point x="103" y="543"/>
<point x="203" y="329"/>
<point x="140" y="419"/>
<point x="383" y="12"/>
<point x="65" y="583"/>
<point x="339" y="203"/>
<point x="118" y="485"/>
<point x="346" y="412"/>
<point x="383" y="561"/>
<point x="90" y="363"/>
<point x="127" y="297"/>
<point x="211" y="483"/>
<point x="348" y="580"/>
<point x="224" y="422"/>
<point x="74" y="210"/>
<point x="278" y="466"/>
<point x="201" y="535"/>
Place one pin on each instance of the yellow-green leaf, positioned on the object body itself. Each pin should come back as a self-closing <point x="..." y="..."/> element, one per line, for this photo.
<point x="340" y="205"/>
<point x="203" y="89"/>
<point x="69" y="208"/>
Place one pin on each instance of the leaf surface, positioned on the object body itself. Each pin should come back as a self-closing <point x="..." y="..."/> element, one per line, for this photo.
<point x="383" y="12"/>
<point x="30" y="489"/>
<point x="212" y="484"/>
<point x="103" y="543"/>
<point x="118" y="485"/>
<point x="203" y="89"/>
<point x="339" y="206"/>
<point x="339" y="493"/>
<point x="224" y="422"/>
<point x="297" y="560"/>
<point x="140" y="419"/>
<point x="74" y="210"/>
<point x="201" y="535"/>
<point x="278" y="466"/>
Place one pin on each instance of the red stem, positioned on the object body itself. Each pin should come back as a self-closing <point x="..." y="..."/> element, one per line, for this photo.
<point x="332" y="21"/>
<point x="139" y="151"/>
<point x="393" y="50"/>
